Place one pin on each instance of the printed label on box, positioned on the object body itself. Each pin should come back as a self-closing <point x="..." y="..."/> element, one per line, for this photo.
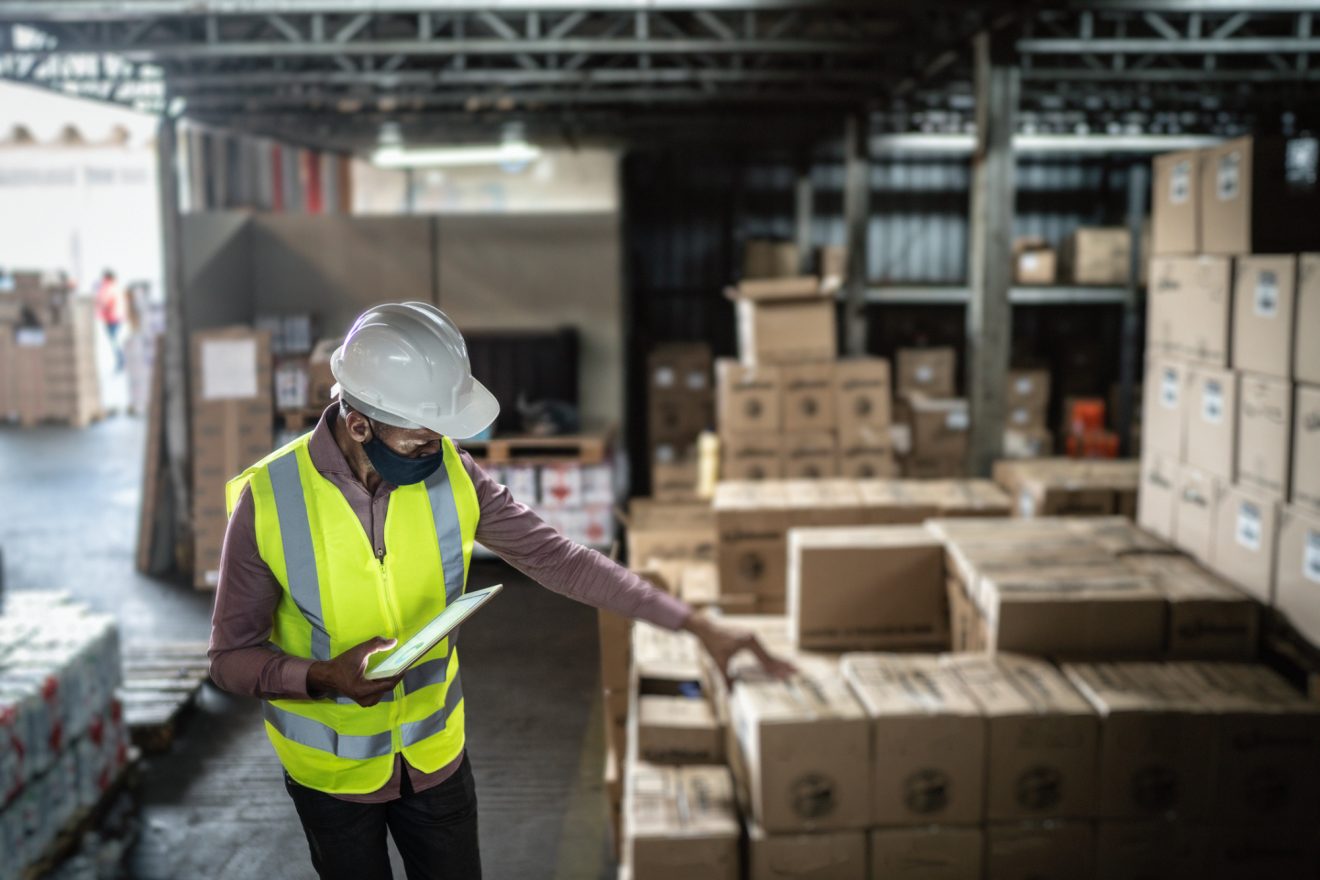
<point x="1248" y="526"/>
<point x="696" y="380"/>
<point x="664" y="377"/>
<point x="1300" y="158"/>
<point x="1026" y="505"/>
<point x="956" y="420"/>
<point x="923" y="373"/>
<point x="1180" y="182"/>
<point x="1212" y="401"/>
<point x="1030" y="261"/>
<point x="1023" y="385"/>
<point x="229" y="369"/>
<point x="1267" y="294"/>
<point x="1226" y="178"/>
<point x="30" y="337"/>
<point x="1311" y="557"/>
<point x="1169" y="389"/>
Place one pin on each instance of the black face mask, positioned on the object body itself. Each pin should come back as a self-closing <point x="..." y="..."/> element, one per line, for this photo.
<point x="400" y="469"/>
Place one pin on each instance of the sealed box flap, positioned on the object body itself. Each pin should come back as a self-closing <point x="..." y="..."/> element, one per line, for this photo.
<point x="819" y="697"/>
<point x="654" y="710"/>
<point x="1183" y="580"/>
<point x="1243" y="687"/>
<point x="1092" y="582"/>
<point x="907" y="684"/>
<point x="1011" y="684"/>
<point x="770" y="289"/>
<point x="1119" y="535"/>
<point x="659" y="653"/>
<point x="854" y="537"/>
<point x="1130" y="687"/>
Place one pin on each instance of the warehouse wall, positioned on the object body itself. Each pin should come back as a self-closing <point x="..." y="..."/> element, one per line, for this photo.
<point x="217" y="269"/>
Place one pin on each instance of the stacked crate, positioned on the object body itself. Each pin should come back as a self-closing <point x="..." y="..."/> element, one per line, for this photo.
<point x="937" y="421"/>
<point x="1027" y="402"/>
<point x="47" y="352"/>
<point x="679" y="408"/>
<point x="1231" y="436"/>
<point x="788" y="407"/>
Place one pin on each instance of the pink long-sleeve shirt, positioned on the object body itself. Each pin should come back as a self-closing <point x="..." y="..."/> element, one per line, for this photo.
<point x="247" y="592"/>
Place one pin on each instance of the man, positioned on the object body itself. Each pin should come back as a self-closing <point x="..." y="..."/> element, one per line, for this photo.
<point x="349" y="539"/>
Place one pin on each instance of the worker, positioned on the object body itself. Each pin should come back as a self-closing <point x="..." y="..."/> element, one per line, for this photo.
<point x="352" y="537"/>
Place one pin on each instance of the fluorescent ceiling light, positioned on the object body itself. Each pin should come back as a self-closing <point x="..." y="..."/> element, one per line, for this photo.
<point x="449" y="157"/>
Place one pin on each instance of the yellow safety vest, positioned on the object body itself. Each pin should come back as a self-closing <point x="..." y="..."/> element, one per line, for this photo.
<point x="337" y="594"/>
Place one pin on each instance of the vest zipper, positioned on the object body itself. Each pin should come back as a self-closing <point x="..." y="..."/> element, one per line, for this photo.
<point x="387" y="593"/>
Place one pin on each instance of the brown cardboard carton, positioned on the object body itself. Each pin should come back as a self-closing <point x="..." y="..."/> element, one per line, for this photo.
<point x="958" y="498"/>
<point x="679" y="367"/>
<point x="928" y="739"/>
<point x="1039" y="851"/>
<point x="766" y="258"/>
<point x="677" y="416"/>
<point x="1245" y="852"/>
<point x="680" y="821"/>
<point x="866" y="462"/>
<point x="835" y="855"/>
<point x="1264" y="424"/>
<point x="659" y="529"/>
<point x="933" y="467"/>
<point x="1155" y="741"/>
<point x="664" y="662"/>
<point x="1118" y="535"/>
<point x="1157" y="497"/>
<point x="1155" y="849"/>
<point x="1268" y="743"/>
<point x="866" y="588"/>
<point x="615" y="640"/>
<point x="1306" y="354"/>
<point x="1196" y="500"/>
<point x="1306" y="448"/>
<point x="1245" y="533"/>
<point x="1297" y="576"/>
<point x="1042" y="736"/>
<point x="675" y="480"/>
<point x="808" y="397"/>
<point x="785" y="331"/>
<point x="931" y="853"/>
<point x="1211" y="431"/>
<point x="751" y="456"/>
<point x="751" y="521"/>
<point x="1190" y="308"/>
<point x="788" y="287"/>
<point x="832" y="265"/>
<point x="1209" y="619"/>
<point x="748" y="399"/>
<point x="1035" y="265"/>
<point x="809" y="454"/>
<point x="1097" y="255"/>
<point x="1258" y="195"/>
<point x="678" y="730"/>
<point x="1264" y="309"/>
<point x="1163" y="424"/>
<point x="939" y="427"/>
<point x="927" y="370"/>
<point x="1028" y="390"/>
<point x="1174" y="200"/>
<point x="1029" y="442"/>
<point x="966" y="624"/>
<point x="861" y="395"/>
<point x="805" y="750"/>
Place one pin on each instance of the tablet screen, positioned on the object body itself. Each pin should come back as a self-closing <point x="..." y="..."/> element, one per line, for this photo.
<point x="443" y="624"/>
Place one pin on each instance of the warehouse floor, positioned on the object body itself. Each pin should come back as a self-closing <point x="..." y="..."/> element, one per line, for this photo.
<point x="215" y="805"/>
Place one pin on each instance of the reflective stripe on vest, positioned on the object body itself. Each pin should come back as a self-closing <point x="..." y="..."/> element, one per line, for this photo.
<point x="299" y="557"/>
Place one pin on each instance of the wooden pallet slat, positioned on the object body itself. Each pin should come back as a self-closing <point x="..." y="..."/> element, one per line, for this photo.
<point x="161" y="683"/>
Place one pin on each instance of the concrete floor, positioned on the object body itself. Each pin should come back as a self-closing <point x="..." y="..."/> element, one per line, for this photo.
<point x="215" y="806"/>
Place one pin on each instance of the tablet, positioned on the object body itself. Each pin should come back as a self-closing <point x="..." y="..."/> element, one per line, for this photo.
<point x="444" y="623"/>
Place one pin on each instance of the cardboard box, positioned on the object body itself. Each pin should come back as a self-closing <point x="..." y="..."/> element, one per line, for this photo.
<point x="679" y="367"/>
<point x="931" y="853"/>
<point x="939" y="427"/>
<point x="1210" y="432"/>
<point x="1189" y="310"/>
<point x="805" y="751"/>
<point x="967" y="631"/>
<point x="1297" y="572"/>
<point x="866" y="588"/>
<point x="1244" y="852"/>
<point x="927" y="370"/>
<point x="1041" y="739"/>
<point x="928" y="739"/>
<point x="809" y="454"/>
<point x="1209" y="619"/>
<point x="1028" y="390"/>
<point x="1156" y="742"/>
<point x="751" y="456"/>
<point x="808" y="397"/>
<point x="1196" y="504"/>
<point x="751" y="522"/>
<point x="677" y="416"/>
<point x="680" y="822"/>
<point x="1264" y="308"/>
<point x="675" y="480"/>
<point x="1033" y="262"/>
<point x="1245" y="534"/>
<point x="1305" y="490"/>
<point x="766" y="258"/>
<point x="1157" y="500"/>
<point x="1163" y="424"/>
<point x="1039" y="851"/>
<point x="669" y="530"/>
<point x="1306" y="355"/>
<point x="615" y="633"/>
<point x="748" y="399"/>
<point x="319" y="378"/>
<point x="1264" y="425"/>
<point x="1259" y="195"/>
<point x="1097" y="255"/>
<point x="836" y="855"/>
<point x="664" y="662"/>
<point x="1175" y="199"/>
<point x="1029" y="442"/>
<point x="678" y="730"/>
<point x="867" y="459"/>
<point x="1156" y="848"/>
<point x="832" y="265"/>
<point x="788" y="321"/>
<point x="861" y="396"/>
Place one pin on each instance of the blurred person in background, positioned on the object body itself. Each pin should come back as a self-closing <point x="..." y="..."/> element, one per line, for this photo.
<point x="110" y="311"/>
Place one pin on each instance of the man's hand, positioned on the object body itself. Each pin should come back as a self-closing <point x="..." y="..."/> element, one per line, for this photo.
<point x="344" y="674"/>
<point x="723" y="642"/>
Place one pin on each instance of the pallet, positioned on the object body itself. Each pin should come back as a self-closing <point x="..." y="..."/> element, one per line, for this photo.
<point x="581" y="448"/>
<point x="82" y="420"/>
<point x="161" y="683"/>
<point x="66" y="843"/>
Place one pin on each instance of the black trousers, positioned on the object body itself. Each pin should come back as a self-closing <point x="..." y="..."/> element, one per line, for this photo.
<point x="435" y="831"/>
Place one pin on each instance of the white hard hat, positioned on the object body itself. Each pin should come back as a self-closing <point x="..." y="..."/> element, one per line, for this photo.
<point x="405" y="364"/>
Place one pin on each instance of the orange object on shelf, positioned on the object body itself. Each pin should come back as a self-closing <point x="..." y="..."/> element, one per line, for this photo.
<point x="1092" y="444"/>
<point x="1087" y="415"/>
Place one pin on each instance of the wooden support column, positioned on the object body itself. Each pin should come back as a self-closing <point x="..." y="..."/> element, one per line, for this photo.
<point x="989" y="316"/>
<point x="856" y="214"/>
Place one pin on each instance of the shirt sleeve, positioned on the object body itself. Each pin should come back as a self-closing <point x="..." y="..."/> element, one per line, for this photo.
<point x="513" y="531"/>
<point x="242" y="659"/>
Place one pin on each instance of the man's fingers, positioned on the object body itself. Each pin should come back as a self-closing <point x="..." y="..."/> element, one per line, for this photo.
<point x="380" y="643"/>
<point x="772" y="664"/>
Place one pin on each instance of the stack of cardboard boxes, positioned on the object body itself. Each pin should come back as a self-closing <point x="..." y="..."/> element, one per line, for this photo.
<point x="1027" y="403"/>
<point x="1097" y="255"/>
<point x="47" y="352"/>
<point x="1070" y="486"/>
<point x="787" y="407"/>
<point x="938" y="422"/>
<point x="679" y="408"/>
<point x="291" y="343"/>
<point x="1231" y="436"/>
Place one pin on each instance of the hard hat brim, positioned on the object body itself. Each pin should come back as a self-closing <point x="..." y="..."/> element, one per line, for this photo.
<point x="480" y="412"/>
